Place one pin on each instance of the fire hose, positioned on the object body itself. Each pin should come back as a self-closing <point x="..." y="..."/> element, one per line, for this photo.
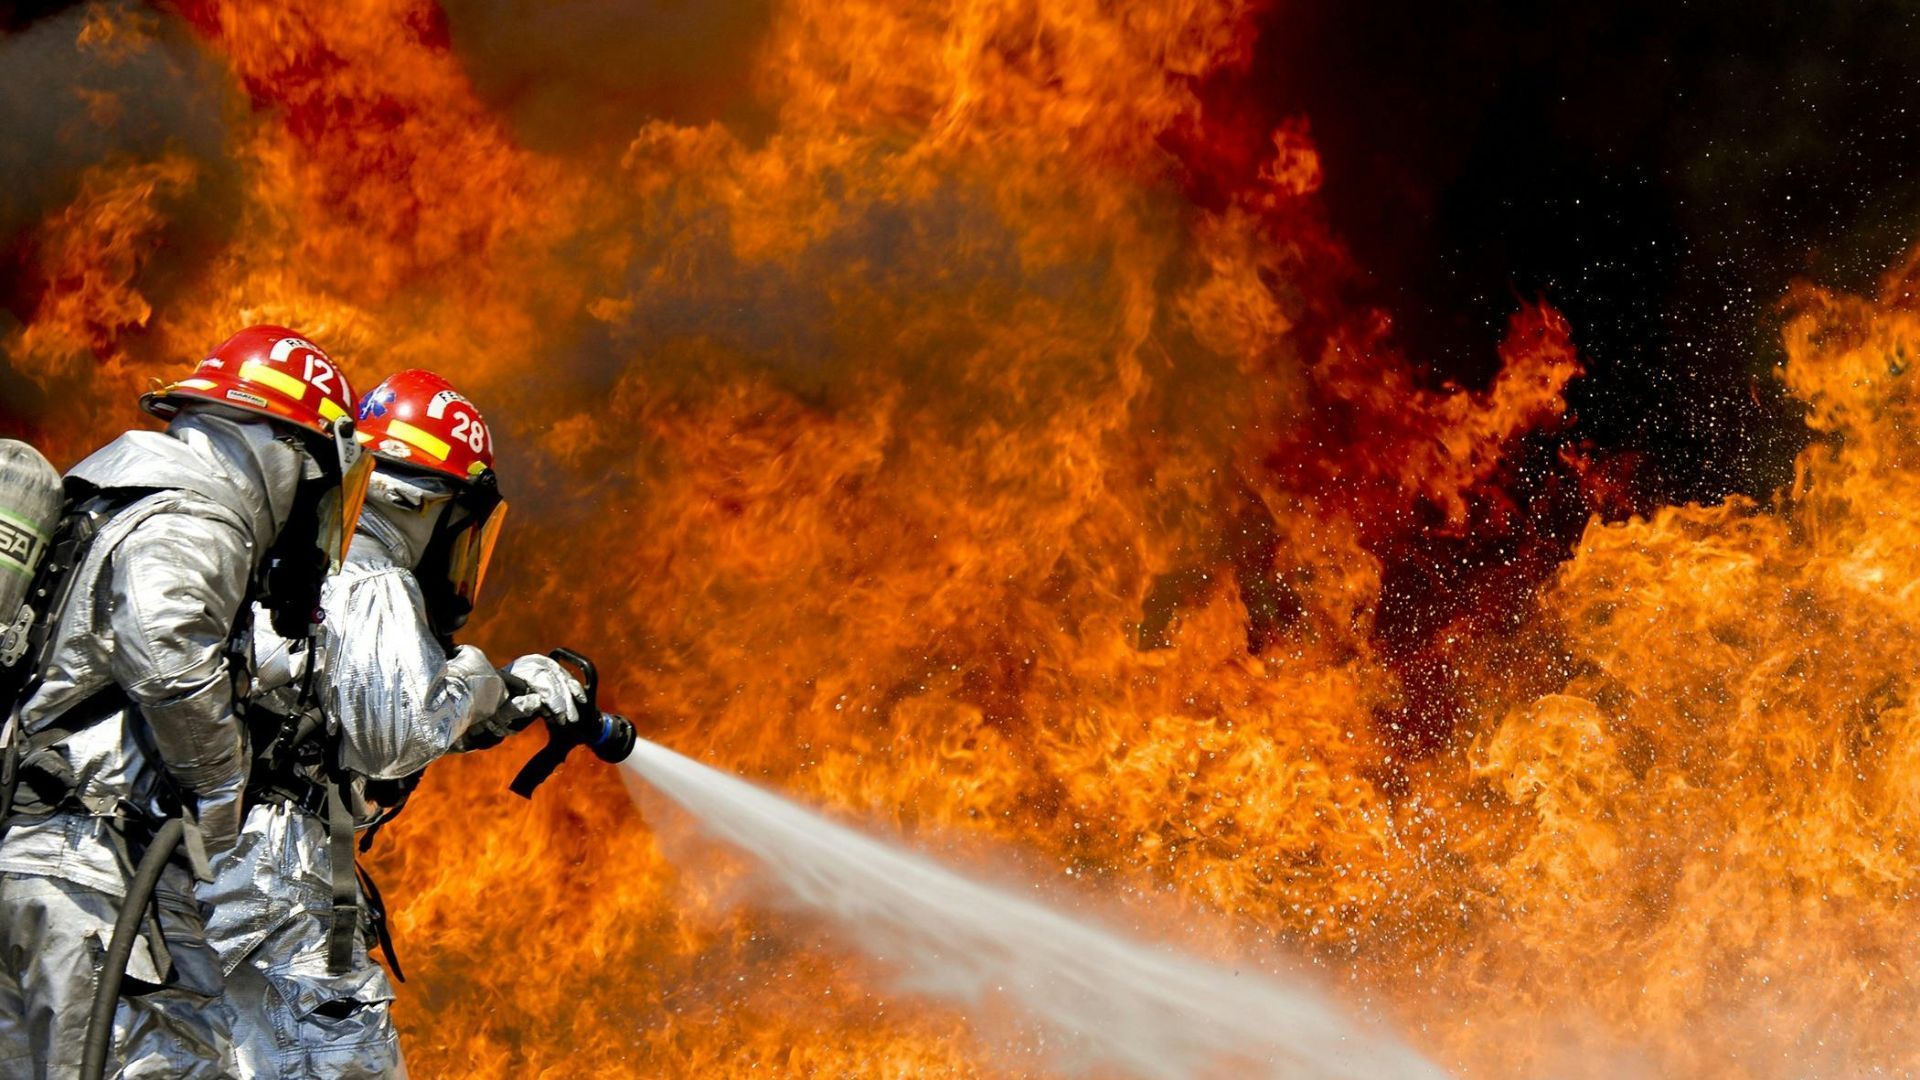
<point x="106" y="992"/>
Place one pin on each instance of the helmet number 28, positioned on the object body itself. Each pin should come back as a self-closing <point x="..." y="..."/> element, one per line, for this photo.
<point x="472" y="430"/>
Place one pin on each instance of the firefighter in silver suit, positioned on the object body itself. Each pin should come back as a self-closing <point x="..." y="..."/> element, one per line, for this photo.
<point x="353" y="722"/>
<point x="133" y="714"/>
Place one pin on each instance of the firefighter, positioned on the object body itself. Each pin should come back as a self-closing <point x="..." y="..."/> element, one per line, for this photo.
<point x="133" y="714"/>
<point x="345" y="737"/>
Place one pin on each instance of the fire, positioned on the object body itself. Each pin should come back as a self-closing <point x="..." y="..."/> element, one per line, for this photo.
<point x="1714" y="822"/>
<point x="982" y="442"/>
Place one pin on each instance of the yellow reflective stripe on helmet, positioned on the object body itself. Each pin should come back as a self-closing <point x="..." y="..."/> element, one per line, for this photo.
<point x="421" y="440"/>
<point x="329" y="411"/>
<point x="255" y="371"/>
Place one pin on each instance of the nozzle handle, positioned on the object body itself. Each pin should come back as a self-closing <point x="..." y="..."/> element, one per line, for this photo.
<point x="589" y="677"/>
<point x="605" y="734"/>
<point x="541" y="765"/>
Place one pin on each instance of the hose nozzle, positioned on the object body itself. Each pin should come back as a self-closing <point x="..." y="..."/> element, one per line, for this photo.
<point x="614" y="742"/>
<point x="610" y="736"/>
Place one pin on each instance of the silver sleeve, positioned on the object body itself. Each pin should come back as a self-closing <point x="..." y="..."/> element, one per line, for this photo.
<point x="177" y="583"/>
<point x="399" y="700"/>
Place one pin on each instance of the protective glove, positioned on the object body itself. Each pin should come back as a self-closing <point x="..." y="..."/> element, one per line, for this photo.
<point x="550" y="692"/>
<point x="202" y="744"/>
<point x="219" y="813"/>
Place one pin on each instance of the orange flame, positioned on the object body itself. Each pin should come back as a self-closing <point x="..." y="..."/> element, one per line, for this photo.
<point x="984" y="446"/>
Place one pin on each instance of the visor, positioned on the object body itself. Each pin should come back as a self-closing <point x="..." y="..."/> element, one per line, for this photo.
<point x="340" y="509"/>
<point x="472" y="550"/>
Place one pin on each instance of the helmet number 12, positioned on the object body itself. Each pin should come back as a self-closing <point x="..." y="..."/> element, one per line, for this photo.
<point x="320" y="374"/>
<point x="472" y="430"/>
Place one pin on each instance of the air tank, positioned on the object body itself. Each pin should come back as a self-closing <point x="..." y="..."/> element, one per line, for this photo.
<point x="31" y="499"/>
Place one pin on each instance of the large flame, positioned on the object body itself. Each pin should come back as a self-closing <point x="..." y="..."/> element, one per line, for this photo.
<point x="979" y="439"/>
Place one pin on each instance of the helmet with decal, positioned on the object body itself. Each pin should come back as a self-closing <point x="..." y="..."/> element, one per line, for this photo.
<point x="415" y="421"/>
<point x="278" y="375"/>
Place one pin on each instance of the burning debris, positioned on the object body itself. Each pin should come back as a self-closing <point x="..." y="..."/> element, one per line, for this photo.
<point x="976" y="432"/>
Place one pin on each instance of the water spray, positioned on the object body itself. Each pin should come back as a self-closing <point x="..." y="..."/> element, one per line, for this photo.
<point x="1114" y="1003"/>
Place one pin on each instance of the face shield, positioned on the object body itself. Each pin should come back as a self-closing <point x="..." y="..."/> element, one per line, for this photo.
<point x="474" y="529"/>
<point x="313" y="542"/>
<point x="339" y="509"/>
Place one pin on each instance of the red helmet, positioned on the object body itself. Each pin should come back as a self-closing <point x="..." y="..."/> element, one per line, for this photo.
<point x="268" y="370"/>
<point x="276" y="373"/>
<point x="417" y="420"/>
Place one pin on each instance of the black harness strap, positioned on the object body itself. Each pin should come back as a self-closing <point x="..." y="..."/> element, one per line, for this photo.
<point x="343" y="870"/>
<point x="291" y="744"/>
<point x="346" y="897"/>
<point x="377" y="915"/>
<point x="46" y="779"/>
<point x="9" y="781"/>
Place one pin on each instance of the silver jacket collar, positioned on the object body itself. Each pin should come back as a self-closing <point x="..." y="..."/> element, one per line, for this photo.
<point x="241" y="465"/>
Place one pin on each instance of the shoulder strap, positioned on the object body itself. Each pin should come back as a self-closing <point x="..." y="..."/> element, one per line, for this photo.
<point x="313" y="731"/>
<point x="346" y="893"/>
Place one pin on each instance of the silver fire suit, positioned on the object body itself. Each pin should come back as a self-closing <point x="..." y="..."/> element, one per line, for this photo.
<point x="136" y="701"/>
<point x="393" y="701"/>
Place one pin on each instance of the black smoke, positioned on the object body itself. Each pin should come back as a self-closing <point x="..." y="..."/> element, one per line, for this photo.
<point x="73" y="97"/>
<point x="1658" y="170"/>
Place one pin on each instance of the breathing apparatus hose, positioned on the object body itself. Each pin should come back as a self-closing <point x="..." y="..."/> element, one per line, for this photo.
<point x="106" y="993"/>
